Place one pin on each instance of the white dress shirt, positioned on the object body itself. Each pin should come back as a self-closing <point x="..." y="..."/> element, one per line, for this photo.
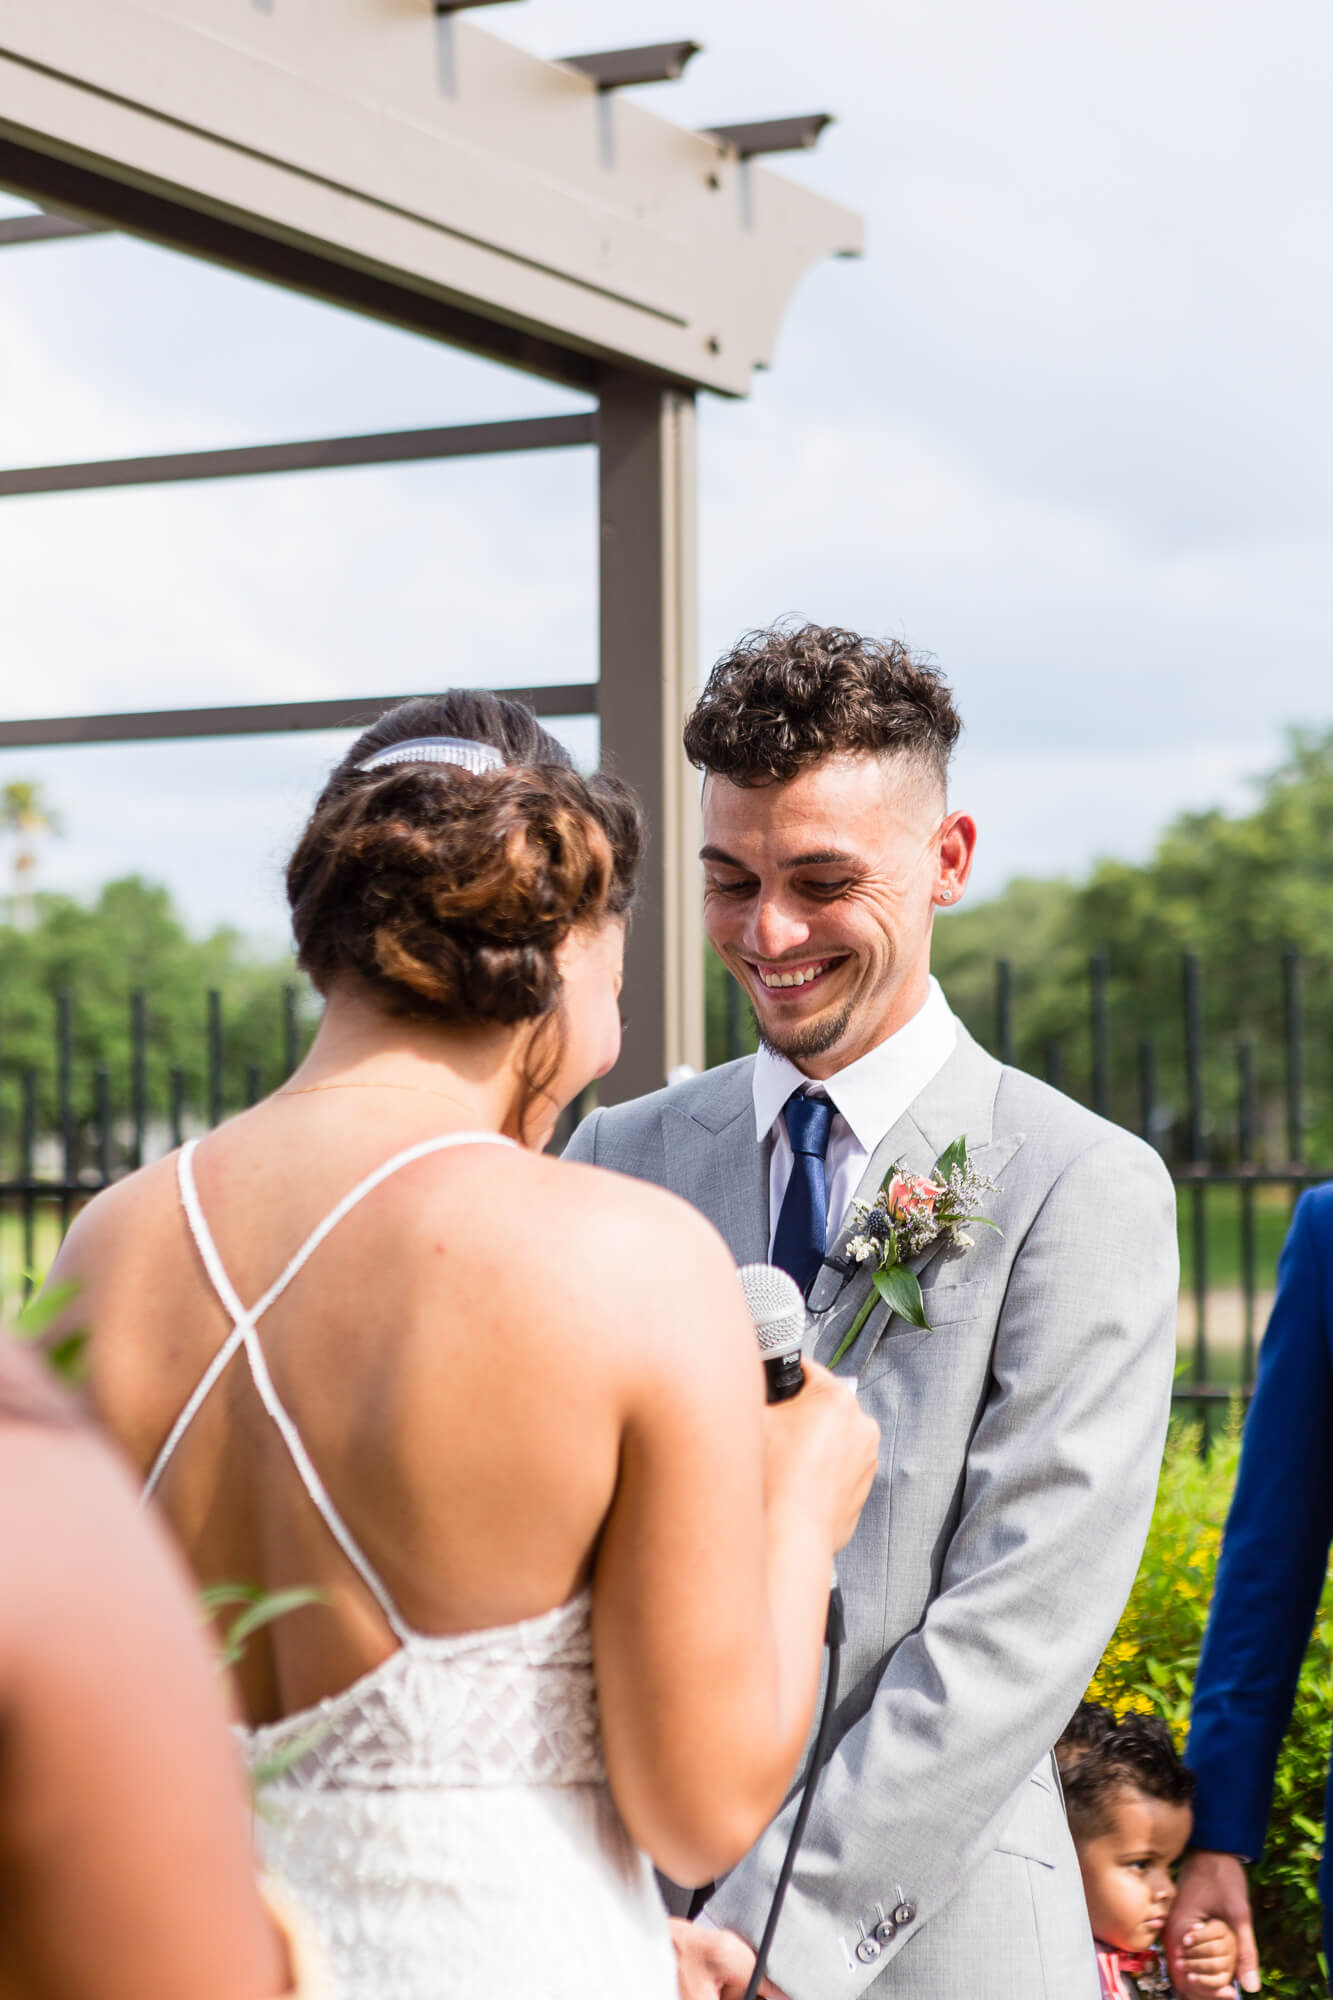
<point x="868" y="1097"/>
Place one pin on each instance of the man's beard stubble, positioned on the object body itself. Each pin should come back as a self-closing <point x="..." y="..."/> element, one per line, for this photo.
<point x="815" y="1038"/>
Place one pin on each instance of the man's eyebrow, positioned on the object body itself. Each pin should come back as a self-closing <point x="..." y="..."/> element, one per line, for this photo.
<point x="820" y="857"/>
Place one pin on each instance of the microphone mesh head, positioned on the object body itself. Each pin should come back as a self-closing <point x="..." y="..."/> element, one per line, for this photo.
<point x="776" y="1307"/>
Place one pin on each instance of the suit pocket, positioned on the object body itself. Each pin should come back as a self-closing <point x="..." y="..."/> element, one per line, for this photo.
<point x="947" y="1307"/>
<point x="951" y="1300"/>
<point x="1033" y="1829"/>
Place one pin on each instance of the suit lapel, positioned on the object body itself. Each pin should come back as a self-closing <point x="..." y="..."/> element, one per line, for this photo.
<point x="714" y="1161"/>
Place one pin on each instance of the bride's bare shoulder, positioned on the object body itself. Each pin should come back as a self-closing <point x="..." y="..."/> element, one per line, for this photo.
<point x="590" y="1200"/>
<point x="573" y="1218"/>
<point x="123" y="1217"/>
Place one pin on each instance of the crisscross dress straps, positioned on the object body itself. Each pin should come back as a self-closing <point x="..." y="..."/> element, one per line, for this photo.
<point x="243" y="1334"/>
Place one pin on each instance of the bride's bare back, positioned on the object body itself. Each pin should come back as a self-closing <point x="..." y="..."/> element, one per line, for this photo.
<point x="459" y="1356"/>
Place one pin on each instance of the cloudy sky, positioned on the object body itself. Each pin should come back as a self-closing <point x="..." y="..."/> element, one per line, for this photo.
<point x="1066" y="428"/>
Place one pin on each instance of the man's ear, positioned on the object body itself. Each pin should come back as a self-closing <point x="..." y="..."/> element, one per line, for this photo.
<point x="955" y="853"/>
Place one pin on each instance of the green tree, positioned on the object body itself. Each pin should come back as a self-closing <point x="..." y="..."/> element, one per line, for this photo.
<point x="1239" y="891"/>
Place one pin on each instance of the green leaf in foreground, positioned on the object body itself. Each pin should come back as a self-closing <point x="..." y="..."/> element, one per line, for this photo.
<point x="262" y="1607"/>
<point x="215" y="1597"/>
<point x="42" y="1311"/>
<point x="952" y="1156"/>
<point x="269" y="1769"/>
<point x="68" y="1358"/>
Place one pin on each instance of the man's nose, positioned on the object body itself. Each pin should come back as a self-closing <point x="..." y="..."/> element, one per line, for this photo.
<point x="776" y="929"/>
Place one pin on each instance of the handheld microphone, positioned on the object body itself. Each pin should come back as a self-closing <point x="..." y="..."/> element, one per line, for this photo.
<point x="778" y="1312"/>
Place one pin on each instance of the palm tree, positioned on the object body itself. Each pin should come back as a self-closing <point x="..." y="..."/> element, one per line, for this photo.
<point x="25" y="815"/>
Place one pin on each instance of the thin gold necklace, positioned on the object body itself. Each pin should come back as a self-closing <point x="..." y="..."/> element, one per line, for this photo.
<point x="416" y="1089"/>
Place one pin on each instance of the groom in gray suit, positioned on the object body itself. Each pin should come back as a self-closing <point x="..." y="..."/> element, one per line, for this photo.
<point x="1021" y="1433"/>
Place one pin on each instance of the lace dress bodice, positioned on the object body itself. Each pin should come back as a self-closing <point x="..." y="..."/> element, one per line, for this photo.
<point x="445" y="1820"/>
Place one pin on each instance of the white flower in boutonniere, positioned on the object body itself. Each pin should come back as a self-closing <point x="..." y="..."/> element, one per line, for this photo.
<point x="910" y="1212"/>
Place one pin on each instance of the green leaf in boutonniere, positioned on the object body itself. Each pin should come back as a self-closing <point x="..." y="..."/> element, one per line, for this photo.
<point x="900" y="1290"/>
<point x="952" y="1157"/>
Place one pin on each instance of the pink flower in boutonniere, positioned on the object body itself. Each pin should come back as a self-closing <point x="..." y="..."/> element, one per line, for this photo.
<point x="910" y="1212"/>
<point x="909" y="1195"/>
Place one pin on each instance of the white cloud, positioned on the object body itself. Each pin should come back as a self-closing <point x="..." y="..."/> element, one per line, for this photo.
<point x="1032" y="810"/>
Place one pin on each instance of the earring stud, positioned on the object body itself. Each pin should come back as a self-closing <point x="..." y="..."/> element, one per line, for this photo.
<point x="946" y="895"/>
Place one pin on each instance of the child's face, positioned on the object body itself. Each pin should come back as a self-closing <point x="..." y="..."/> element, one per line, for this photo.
<point x="1127" y="1869"/>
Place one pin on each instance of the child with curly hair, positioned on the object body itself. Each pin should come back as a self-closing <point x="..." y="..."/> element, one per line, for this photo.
<point x="1128" y="1799"/>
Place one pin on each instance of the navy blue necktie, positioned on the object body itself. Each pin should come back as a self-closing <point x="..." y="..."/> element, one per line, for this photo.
<point x="798" y="1244"/>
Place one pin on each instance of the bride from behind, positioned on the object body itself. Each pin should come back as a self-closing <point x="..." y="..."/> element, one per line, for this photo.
<point x="506" y="1413"/>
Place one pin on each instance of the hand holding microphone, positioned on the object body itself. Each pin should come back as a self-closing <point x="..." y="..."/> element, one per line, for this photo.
<point x="822" y="1447"/>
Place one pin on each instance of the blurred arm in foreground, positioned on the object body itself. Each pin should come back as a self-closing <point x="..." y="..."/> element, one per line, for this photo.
<point x="125" y="1865"/>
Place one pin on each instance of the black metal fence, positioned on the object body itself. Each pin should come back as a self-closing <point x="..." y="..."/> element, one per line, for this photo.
<point x="1234" y="1138"/>
<point x="68" y="1127"/>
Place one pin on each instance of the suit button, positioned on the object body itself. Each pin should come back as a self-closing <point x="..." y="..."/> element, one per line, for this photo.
<point x="905" y="1914"/>
<point x="867" y="1951"/>
<point x="887" y="1931"/>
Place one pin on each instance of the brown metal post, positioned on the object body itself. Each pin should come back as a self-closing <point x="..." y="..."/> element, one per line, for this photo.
<point x="649" y="674"/>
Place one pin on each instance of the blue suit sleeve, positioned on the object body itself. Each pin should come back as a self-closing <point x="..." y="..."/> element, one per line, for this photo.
<point x="1274" y="1551"/>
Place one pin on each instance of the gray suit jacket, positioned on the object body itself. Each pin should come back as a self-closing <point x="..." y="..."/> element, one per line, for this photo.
<point x="1021" y="1440"/>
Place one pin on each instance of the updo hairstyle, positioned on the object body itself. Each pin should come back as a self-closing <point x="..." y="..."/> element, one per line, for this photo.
<point x="450" y="891"/>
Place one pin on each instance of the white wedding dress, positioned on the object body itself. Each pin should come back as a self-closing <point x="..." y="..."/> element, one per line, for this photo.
<point x="445" y="1821"/>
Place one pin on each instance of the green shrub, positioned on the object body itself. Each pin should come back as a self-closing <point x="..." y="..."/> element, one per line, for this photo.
<point x="1150" y="1665"/>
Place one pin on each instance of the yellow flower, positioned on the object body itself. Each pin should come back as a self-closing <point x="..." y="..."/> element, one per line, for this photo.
<point x="1124" y="1649"/>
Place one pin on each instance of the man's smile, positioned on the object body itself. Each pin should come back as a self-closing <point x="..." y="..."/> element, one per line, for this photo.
<point x="797" y="975"/>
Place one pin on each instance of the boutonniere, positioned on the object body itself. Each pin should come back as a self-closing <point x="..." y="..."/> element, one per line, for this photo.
<point x="910" y="1212"/>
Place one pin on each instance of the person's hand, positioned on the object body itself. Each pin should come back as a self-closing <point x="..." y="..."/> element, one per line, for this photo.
<point x="1208" y="1958"/>
<point x="713" y="1964"/>
<point x="822" y="1444"/>
<point x="1211" y="1885"/>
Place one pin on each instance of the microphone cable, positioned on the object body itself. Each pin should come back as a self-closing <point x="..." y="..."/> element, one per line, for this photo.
<point x="835" y="1631"/>
<point x="777" y="1308"/>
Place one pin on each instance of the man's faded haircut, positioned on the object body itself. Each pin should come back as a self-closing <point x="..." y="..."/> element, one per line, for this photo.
<point x="786" y="698"/>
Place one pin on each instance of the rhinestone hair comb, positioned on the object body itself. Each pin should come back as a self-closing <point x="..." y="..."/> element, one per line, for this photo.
<point x="464" y="751"/>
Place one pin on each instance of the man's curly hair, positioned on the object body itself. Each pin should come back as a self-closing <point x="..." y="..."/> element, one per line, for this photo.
<point x="786" y="698"/>
<point x="1099" y="1757"/>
